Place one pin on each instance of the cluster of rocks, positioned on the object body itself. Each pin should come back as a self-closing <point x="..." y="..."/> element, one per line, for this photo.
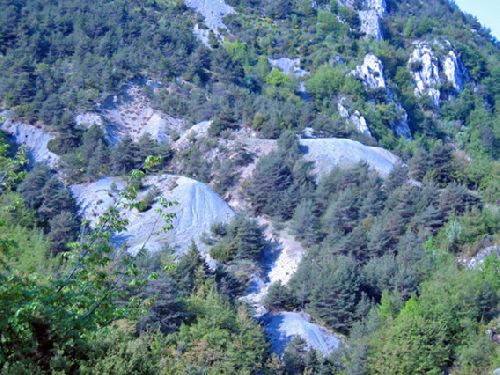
<point x="358" y="121"/>
<point x="213" y="12"/>
<point x="289" y="66"/>
<point x="431" y="68"/>
<point x="478" y="259"/>
<point x="371" y="74"/>
<point x="370" y="14"/>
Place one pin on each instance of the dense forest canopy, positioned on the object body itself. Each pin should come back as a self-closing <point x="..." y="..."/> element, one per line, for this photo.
<point x="402" y="269"/>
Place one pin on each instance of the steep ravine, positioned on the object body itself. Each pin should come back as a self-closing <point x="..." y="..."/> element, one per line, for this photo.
<point x="281" y="259"/>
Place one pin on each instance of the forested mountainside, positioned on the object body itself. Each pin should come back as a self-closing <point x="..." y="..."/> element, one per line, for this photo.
<point x="248" y="187"/>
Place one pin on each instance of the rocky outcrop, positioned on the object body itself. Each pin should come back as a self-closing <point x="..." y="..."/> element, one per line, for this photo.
<point x="197" y="208"/>
<point x="213" y="11"/>
<point x="130" y="113"/>
<point x="454" y="71"/>
<point x="34" y="138"/>
<point x="371" y="72"/>
<point x="358" y="121"/>
<point x="430" y="69"/>
<point x="370" y="24"/>
<point x="290" y="67"/>
<point x="425" y="70"/>
<point x="370" y="18"/>
<point x="478" y="259"/>
<point x="370" y="13"/>
<point x="283" y="327"/>
<point x="328" y="153"/>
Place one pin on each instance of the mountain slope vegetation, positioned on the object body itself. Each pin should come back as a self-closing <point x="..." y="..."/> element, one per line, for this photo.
<point x="402" y="270"/>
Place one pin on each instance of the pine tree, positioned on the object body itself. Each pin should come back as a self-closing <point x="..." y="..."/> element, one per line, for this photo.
<point x="418" y="165"/>
<point x="187" y="267"/>
<point x="305" y="224"/>
<point x="250" y="239"/>
<point x="63" y="229"/>
<point x="336" y="293"/>
<point x="55" y="199"/>
<point x="270" y="180"/>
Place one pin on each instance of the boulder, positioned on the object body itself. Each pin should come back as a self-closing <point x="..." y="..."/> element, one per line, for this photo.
<point x="197" y="208"/>
<point x="358" y="121"/>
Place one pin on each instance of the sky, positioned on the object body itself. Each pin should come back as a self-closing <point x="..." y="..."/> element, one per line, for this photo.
<point x="486" y="11"/>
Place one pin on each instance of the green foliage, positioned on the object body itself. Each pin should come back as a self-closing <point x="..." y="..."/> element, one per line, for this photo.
<point x="329" y="81"/>
<point x="279" y="297"/>
<point x="47" y="317"/>
<point x="426" y="334"/>
<point x="221" y="339"/>
<point x="243" y="238"/>
<point x="336" y="293"/>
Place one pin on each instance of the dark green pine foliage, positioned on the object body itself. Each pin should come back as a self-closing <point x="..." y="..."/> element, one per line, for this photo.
<point x="336" y="293"/>
<point x="249" y="239"/>
<point x="270" y="180"/>
<point x="279" y="297"/>
<point x="305" y="223"/>
<point x="186" y="269"/>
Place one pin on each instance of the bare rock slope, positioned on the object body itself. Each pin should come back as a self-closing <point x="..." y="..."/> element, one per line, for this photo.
<point x="36" y="139"/>
<point x="328" y="153"/>
<point x="197" y="208"/>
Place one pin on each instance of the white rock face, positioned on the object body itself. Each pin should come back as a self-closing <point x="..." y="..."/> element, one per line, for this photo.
<point x="453" y="69"/>
<point x="379" y="6"/>
<point x="203" y="35"/>
<point x="34" y="138"/>
<point x="358" y="121"/>
<point x="371" y="18"/>
<point x="426" y="65"/>
<point x="370" y="23"/>
<point x="290" y="67"/>
<point x="331" y="152"/>
<point x="283" y="327"/>
<point x="427" y="77"/>
<point x="197" y="208"/>
<point x="370" y="13"/>
<point x="371" y="72"/>
<point x="212" y="11"/>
